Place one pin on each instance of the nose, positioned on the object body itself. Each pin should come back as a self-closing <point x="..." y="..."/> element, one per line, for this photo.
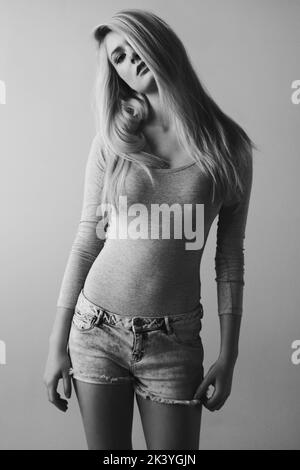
<point x="134" y="56"/>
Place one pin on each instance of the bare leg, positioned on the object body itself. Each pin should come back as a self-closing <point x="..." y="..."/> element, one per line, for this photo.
<point x="168" y="426"/>
<point x="106" y="411"/>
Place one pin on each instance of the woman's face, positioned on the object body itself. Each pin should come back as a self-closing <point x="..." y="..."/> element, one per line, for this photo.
<point x="128" y="65"/>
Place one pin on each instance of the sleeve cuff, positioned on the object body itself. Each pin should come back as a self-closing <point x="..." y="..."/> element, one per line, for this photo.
<point x="230" y="297"/>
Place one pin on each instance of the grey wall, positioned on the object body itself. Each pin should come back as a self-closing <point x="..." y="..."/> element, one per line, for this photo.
<point x="247" y="54"/>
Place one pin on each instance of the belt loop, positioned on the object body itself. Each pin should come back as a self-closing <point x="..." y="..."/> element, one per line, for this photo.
<point x="133" y="325"/>
<point x="168" y="326"/>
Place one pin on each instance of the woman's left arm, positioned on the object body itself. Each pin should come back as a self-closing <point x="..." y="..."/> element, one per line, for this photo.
<point x="229" y="265"/>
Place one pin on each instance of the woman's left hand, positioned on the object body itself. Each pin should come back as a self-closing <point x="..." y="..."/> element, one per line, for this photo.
<point x="220" y="376"/>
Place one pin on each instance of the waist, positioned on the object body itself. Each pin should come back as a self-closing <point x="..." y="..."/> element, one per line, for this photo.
<point x="115" y="317"/>
<point x="118" y="302"/>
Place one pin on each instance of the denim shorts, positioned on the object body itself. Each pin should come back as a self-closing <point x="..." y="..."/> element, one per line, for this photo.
<point x="162" y="356"/>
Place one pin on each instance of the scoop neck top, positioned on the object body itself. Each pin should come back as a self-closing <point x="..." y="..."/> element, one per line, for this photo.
<point x="173" y="170"/>
<point x="170" y="170"/>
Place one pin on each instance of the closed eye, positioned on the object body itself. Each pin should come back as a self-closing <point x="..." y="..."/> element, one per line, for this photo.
<point x="118" y="59"/>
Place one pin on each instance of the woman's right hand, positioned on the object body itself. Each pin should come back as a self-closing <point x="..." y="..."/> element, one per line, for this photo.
<point x="58" y="366"/>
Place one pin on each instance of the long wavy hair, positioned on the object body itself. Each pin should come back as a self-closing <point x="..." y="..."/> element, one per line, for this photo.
<point x="221" y="148"/>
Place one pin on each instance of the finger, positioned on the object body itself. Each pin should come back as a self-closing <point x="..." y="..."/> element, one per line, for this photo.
<point x="54" y="397"/>
<point x="221" y="403"/>
<point x="218" y="406"/>
<point x="215" y="400"/>
<point x="67" y="383"/>
<point x="201" y="393"/>
<point x="56" y="400"/>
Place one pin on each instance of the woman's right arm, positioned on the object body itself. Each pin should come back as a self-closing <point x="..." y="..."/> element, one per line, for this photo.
<point x="61" y="329"/>
<point x="85" y="249"/>
<point x="87" y="244"/>
<point x="58" y="361"/>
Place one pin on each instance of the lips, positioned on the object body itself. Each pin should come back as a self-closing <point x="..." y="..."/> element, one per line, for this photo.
<point x="140" y="67"/>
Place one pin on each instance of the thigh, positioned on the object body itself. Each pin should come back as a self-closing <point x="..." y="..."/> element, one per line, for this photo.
<point x="170" y="426"/>
<point x="106" y="411"/>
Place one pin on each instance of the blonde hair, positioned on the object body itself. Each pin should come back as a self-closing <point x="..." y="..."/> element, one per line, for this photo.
<point x="221" y="148"/>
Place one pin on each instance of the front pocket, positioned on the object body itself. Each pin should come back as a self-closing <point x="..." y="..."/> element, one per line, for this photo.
<point x="187" y="331"/>
<point x="83" y="322"/>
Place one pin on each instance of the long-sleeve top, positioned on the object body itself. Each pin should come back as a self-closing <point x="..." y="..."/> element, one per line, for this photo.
<point x="138" y="274"/>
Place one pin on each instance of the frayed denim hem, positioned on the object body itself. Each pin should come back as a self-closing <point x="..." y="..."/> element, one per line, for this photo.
<point x="170" y="401"/>
<point x="106" y="379"/>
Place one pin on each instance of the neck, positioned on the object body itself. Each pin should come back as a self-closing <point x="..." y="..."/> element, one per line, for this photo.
<point x="157" y="116"/>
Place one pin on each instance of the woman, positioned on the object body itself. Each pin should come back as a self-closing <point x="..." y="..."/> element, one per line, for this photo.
<point x="129" y="313"/>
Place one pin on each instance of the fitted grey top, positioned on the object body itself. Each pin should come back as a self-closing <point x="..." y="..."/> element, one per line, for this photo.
<point x="156" y="275"/>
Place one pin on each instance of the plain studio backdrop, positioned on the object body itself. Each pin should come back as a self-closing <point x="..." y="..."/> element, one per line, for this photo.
<point x="247" y="54"/>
